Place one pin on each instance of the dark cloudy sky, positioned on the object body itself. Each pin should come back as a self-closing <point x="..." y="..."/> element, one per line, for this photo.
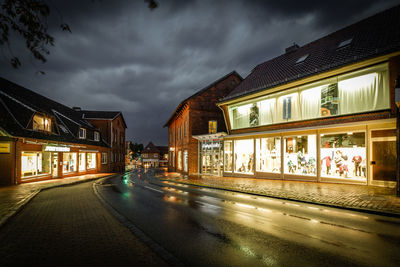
<point x="123" y="56"/>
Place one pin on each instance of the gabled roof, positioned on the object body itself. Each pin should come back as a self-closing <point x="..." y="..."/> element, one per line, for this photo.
<point x="18" y="105"/>
<point x="102" y="115"/>
<point x="150" y="148"/>
<point x="372" y="37"/>
<point x="182" y="104"/>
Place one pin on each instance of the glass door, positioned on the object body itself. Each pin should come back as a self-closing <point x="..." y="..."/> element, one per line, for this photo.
<point x="383" y="159"/>
<point x="54" y="165"/>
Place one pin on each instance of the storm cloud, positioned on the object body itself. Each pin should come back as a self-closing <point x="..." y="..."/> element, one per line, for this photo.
<point x="123" y="56"/>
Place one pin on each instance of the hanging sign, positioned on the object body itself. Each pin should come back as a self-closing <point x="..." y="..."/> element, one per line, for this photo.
<point x="56" y="148"/>
<point x="4" y="147"/>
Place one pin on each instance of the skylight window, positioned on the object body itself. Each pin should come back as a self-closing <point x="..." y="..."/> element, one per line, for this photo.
<point x="301" y="59"/>
<point x="345" y="43"/>
<point x="63" y="128"/>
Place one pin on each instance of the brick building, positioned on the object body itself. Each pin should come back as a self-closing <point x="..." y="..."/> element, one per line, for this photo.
<point x="42" y="139"/>
<point x="199" y="116"/>
<point x="155" y="156"/>
<point x="321" y="112"/>
<point x="112" y="127"/>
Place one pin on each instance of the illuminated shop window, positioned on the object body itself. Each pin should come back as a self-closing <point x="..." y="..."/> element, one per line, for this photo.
<point x="35" y="163"/>
<point x="185" y="161"/>
<point x="41" y="123"/>
<point x="268" y="154"/>
<point x="244" y="151"/>
<point x="69" y="162"/>
<point x="91" y="160"/>
<point x="228" y="156"/>
<point x="179" y="160"/>
<point x="300" y="155"/>
<point x="82" y="162"/>
<point x="356" y="92"/>
<point x="343" y="156"/>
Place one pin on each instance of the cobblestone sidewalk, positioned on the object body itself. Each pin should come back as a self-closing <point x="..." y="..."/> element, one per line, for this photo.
<point x="13" y="198"/>
<point x="68" y="226"/>
<point x="356" y="197"/>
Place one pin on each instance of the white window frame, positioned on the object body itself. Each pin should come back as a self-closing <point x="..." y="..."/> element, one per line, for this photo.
<point x="96" y="136"/>
<point x="84" y="133"/>
<point x="104" y="156"/>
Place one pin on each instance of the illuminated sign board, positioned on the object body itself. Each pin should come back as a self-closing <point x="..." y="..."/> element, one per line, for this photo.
<point x="57" y="148"/>
<point x="4" y="147"/>
<point x="210" y="145"/>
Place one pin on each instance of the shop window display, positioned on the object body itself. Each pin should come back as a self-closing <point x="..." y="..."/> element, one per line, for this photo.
<point x="228" y="156"/>
<point x="82" y="162"/>
<point x="244" y="153"/>
<point x="91" y="160"/>
<point x="300" y="155"/>
<point x="69" y="162"/>
<point x="360" y="91"/>
<point x="179" y="160"/>
<point x="268" y="151"/>
<point x="35" y="163"/>
<point x="343" y="156"/>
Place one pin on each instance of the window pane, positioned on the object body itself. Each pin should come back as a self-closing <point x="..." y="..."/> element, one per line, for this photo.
<point x="300" y="155"/>
<point x="343" y="155"/>
<point x="69" y="162"/>
<point x="82" y="162"/>
<point x="91" y="160"/>
<point x="35" y="163"/>
<point x="244" y="151"/>
<point x="228" y="156"/>
<point x="268" y="154"/>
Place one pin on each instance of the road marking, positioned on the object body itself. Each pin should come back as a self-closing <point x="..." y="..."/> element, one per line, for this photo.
<point x="151" y="188"/>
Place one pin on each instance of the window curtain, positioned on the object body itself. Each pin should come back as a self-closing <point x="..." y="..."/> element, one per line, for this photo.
<point x="310" y="101"/>
<point x="267" y="111"/>
<point x="241" y="116"/>
<point x="288" y="108"/>
<point x="363" y="93"/>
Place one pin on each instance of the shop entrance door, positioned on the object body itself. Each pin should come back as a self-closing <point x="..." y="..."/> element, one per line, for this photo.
<point x="54" y="165"/>
<point x="383" y="160"/>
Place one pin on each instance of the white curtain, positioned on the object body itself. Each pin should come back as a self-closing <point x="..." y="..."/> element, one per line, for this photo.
<point x="363" y="93"/>
<point x="294" y="108"/>
<point x="241" y="116"/>
<point x="267" y="111"/>
<point x="310" y="101"/>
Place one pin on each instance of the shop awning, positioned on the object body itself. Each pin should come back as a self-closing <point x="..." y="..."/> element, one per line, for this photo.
<point x="205" y="137"/>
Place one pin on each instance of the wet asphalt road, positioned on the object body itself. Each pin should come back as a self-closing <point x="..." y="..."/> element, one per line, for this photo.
<point x="201" y="226"/>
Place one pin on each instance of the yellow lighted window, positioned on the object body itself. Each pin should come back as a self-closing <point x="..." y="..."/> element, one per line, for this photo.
<point x="212" y="127"/>
<point x="41" y="123"/>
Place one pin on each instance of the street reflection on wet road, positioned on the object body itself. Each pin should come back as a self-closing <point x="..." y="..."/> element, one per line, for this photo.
<point x="203" y="226"/>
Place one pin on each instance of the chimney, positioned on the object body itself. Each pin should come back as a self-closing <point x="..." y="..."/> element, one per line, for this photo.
<point x="292" y="48"/>
<point x="76" y="108"/>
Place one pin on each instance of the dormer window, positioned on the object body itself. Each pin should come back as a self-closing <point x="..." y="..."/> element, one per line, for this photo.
<point x="41" y="123"/>
<point x="301" y="59"/>
<point x="96" y="136"/>
<point x="82" y="133"/>
<point x="345" y="43"/>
